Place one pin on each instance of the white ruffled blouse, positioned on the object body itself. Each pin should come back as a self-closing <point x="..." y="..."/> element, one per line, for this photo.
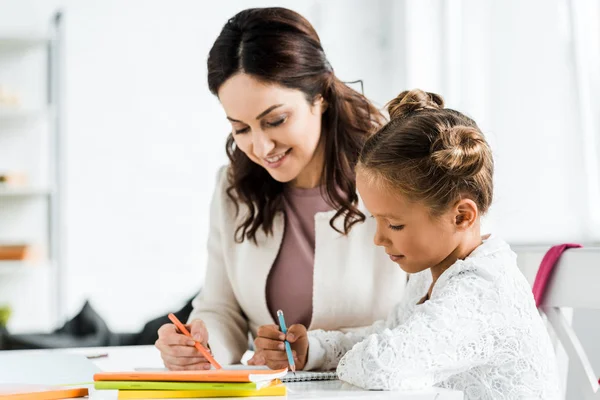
<point x="479" y="332"/>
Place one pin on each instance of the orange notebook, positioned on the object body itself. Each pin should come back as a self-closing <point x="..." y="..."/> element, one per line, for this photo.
<point x="39" y="392"/>
<point x="213" y="375"/>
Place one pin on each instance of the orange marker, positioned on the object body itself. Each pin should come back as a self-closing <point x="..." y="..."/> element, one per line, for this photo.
<point x="197" y="345"/>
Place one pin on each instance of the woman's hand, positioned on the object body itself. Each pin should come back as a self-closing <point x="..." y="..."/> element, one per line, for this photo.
<point x="270" y="348"/>
<point x="178" y="351"/>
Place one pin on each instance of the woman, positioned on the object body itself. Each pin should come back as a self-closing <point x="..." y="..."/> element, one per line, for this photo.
<point x="287" y="228"/>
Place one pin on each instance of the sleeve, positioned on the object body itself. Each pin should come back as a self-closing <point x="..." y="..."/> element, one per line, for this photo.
<point x="455" y="331"/>
<point x="216" y="305"/>
<point x="326" y="348"/>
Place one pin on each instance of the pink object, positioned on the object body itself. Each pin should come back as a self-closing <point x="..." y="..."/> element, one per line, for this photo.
<point x="546" y="267"/>
<point x="290" y="282"/>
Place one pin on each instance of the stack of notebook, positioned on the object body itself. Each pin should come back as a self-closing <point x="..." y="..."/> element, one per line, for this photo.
<point x="39" y="392"/>
<point x="192" y="384"/>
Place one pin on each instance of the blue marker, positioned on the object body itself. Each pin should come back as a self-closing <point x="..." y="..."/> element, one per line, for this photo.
<point x="288" y="349"/>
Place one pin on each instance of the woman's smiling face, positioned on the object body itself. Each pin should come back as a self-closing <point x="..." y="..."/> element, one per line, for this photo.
<point x="276" y="127"/>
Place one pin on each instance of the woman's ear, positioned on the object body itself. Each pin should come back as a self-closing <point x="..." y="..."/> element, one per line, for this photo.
<point x="321" y="103"/>
<point x="465" y="214"/>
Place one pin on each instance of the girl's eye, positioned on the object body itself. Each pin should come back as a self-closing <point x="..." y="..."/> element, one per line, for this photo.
<point x="277" y="122"/>
<point x="240" y="131"/>
<point x="396" y="227"/>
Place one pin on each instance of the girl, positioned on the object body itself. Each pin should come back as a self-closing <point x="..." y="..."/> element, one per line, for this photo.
<point x="468" y="320"/>
<point x="285" y="216"/>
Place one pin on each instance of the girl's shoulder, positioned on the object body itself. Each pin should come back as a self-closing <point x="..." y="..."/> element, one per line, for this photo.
<point x="488" y="264"/>
<point x="419" y="280"/>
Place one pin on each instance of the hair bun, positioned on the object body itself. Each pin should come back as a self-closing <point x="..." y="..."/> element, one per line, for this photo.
<point x="408" y="102"/>
<point x="461" y="151"/>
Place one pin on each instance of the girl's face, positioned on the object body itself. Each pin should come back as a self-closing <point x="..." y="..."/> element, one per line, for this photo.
<point x="406" y="230"/>
<point x="276" y="128"/>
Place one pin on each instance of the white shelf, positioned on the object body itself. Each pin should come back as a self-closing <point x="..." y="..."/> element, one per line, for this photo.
<point x="25" y="51"/>
<point x="14" y="267"/>
<point x="21" y="41"/>
<point x="10" y="115"/>
<point x="25" y="192"/>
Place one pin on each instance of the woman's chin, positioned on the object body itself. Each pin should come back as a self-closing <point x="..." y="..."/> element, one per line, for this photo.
<point x="282" y="175"/>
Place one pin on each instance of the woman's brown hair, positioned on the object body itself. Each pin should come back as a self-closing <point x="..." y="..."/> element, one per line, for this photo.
<point x="430" y="153"/>
<point x="279" y="46"/>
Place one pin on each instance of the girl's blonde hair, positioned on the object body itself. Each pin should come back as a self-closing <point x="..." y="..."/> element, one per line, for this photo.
<point x="430" y="153"/>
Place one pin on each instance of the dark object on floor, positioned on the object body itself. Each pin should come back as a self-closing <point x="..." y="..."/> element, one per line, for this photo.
<point x="88" y="329"/>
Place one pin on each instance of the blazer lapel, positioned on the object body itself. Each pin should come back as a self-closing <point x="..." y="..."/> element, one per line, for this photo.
<point x="255" y="262"/>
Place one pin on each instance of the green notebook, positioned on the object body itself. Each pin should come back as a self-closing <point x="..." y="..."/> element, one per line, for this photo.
<point x="157" y="385"/>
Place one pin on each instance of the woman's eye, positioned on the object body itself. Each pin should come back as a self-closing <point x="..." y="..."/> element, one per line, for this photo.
<point x="240" y="131"/>
<point x="396" y="227"/>
<point x="277" y="122"/>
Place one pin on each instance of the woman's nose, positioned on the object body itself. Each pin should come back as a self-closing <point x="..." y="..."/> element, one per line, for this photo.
<point x="262" y="144"/>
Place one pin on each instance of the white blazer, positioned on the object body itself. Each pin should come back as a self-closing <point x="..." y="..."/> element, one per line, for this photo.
<point x="355" y="283"/>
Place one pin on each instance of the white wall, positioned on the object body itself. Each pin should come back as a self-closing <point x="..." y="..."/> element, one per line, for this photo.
<point x="144" y="142"/>
<point x="509" y="66"/>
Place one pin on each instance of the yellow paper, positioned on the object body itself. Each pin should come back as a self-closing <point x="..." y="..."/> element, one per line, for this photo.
<point x="278" y="389"/>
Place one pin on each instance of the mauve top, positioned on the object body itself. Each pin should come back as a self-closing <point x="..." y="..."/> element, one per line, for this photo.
<point x="290" y="282"/>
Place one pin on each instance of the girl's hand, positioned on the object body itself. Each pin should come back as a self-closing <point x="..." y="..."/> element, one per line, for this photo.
<point x="270" y="348"/>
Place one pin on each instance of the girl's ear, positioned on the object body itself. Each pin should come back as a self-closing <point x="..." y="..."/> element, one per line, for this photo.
<point x="465" y="214"/>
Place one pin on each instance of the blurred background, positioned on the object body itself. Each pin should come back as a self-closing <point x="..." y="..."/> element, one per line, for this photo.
<point x="110" y="139"/>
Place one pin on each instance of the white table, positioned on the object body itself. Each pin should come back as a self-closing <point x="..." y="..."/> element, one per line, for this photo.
<point x="130" y="358"/>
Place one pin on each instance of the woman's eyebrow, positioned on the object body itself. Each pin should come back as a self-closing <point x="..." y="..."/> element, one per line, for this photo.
<point x="259" y="116"/>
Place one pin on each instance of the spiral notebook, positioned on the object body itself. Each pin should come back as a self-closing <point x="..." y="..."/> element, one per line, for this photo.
<point x="299" y="376"/>
<point x="305" y="376"/>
